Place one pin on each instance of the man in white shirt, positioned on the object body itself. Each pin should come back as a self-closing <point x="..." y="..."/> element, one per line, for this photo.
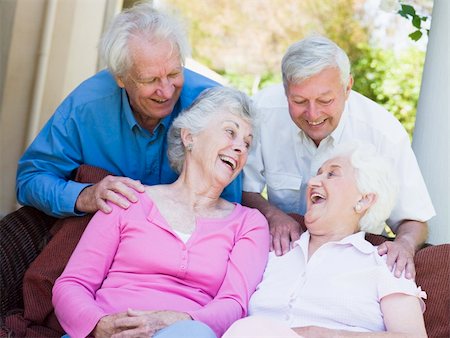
<point x="301" y="121"/>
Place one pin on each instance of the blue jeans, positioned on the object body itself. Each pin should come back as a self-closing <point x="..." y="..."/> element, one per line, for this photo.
<point x="186" y="329"/>
<point x="182" y="329"/>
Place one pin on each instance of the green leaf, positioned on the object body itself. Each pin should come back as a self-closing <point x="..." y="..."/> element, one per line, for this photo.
<point x="407" y="9"/>
<point x="415" y="35"/>
<point x="416" y="21"/>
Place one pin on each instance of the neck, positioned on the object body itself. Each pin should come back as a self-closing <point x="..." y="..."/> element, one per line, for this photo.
<point x="146" y="122"/>
<point x="197" y="194"/>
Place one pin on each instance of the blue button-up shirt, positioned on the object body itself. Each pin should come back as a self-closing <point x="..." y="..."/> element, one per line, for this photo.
<point x="95" y="125"/>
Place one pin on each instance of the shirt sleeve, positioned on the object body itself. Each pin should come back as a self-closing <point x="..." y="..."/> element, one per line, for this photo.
<point x="414" y="202"/>
<point x="245" y="268"/>
<point x="46" y="166"/>
<point x="389" y="284"/>
<point x="74" y="291"/>
<point x="253" y="173"/>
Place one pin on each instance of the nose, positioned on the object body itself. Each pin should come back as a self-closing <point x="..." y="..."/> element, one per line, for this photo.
<point x="312" y="110"/>
<point x="166" y="89"/>
<point x="240" y="147"/>
<point x="315" y="181"/>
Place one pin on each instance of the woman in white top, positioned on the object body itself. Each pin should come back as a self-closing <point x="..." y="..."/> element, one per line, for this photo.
<point x="333" y="283"/>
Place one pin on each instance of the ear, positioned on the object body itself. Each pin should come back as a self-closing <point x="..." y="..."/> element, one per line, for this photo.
<point x="186" y="136"/>
<point x="349" y="86"/>
<point x="120" y="82"/>
<point x="367" y="201"/>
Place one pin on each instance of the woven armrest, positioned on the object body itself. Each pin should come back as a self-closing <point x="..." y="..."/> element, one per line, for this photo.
<point x="23" y="234"/>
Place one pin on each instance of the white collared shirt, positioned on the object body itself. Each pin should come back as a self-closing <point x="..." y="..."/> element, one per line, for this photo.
<point x="284" y="158"/>
<point x="339" y="287"/>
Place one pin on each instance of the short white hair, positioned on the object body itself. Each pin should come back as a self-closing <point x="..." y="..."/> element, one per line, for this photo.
<point x="310" y="56"/>
<point x="144" y="21"/>
<point x="373" y="174"/>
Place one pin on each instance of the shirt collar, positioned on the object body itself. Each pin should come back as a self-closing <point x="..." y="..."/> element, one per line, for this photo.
<point x="131" y="119"/>
<point x="357" y="240"/>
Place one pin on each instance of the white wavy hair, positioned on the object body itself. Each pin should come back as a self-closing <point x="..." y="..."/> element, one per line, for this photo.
<point x="373" y="174"/>
<point x="212" y="101"/>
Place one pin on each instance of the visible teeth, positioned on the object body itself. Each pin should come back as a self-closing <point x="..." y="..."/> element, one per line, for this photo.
<point x="316" y="196"/>
<point x="159" y="101"/>
<point x="229" y="161"/>
<point x="312" y="123"/>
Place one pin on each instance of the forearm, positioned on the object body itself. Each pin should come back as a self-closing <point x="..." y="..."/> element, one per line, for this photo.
<point x="412" y="233"/>
<point x="53" y="195"/>
<point x="255" y="200"/>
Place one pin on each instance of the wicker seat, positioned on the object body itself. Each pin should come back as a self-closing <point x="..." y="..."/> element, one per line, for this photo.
<point x="23" y="234"/>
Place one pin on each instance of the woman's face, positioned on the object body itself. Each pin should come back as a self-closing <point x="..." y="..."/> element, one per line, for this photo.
<point x="221" y="149"/>
<point x="331" y="198"/>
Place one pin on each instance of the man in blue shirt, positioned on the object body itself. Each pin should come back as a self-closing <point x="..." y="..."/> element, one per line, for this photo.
<point x="117" y="120"/>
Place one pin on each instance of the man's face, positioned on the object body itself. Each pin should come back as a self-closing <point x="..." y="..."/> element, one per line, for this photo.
<point x="316" y="104"/>
<point x="154" y="80"/>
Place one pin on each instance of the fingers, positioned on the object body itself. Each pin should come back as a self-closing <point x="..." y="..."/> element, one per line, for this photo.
<point x="137" y="324"/>
<point x="399" y="259"/>
<point x="117" y="190"/>
<point x="283" y="236"/>
<point x="382" y="249"/>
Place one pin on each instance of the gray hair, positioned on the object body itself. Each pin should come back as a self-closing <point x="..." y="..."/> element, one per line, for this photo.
<point x="308" y="57"/>
<point x="141" y="20"/>
<point x="374" y="174"/>
<point x="212" y="101"/>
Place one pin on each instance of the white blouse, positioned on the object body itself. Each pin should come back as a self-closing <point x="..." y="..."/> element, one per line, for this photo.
<point x="340" y="287"/>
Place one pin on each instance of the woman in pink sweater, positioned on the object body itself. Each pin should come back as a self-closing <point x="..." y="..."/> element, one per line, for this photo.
<point x="181" y="261"/>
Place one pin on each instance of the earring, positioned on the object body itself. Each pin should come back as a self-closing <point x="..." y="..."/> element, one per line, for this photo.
<point x="358" y="208"/>
<point x="189" y="147"/>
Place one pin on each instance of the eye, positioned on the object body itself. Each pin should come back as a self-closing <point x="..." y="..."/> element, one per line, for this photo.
<point x="230" y="132"/>
<point x="326" y="102"/>
<point x="330" y="174"/>
<point x="173" y="75"/>
<point x="300" y="102"/>
<point x="148" y="81"/>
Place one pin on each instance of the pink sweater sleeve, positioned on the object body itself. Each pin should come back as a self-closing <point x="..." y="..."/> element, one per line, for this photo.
<point x="74" y="291"/>
<point x="245" y="268"/>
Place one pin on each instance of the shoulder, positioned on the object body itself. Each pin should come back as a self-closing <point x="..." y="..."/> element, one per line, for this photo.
<point x="251" y="217"/>
<point x="98" y="86"/>
<point x="370" y="118"/>
<point x="194" y="84"/>
<point x="140" y="208"/>
<point x="97" y="93"/>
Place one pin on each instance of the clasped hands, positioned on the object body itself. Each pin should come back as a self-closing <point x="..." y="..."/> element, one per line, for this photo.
<point x="134" y="323"/>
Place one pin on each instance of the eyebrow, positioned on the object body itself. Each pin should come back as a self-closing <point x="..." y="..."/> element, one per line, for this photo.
<point x="332" y="166"/>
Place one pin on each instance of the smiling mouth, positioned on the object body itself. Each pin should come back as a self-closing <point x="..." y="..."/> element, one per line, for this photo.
<point x="228" y="161"/>
<point x="160" y="101"/>
<point x="315" y="123"/>
<point x="317" y="198"/>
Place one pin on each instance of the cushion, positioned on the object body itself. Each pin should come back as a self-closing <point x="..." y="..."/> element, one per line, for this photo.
<point x="433" y="275"/>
